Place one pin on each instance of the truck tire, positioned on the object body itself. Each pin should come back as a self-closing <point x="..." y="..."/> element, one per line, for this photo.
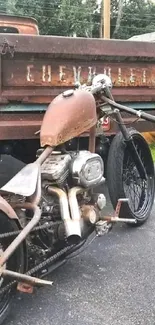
<point x="124" y="180"/>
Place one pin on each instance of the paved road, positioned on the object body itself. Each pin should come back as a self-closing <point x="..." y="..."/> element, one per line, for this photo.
<point x="111" y="283"/>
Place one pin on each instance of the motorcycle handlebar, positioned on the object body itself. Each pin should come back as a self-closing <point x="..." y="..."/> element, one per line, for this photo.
<point x="93" y="89"/>
<point x="148" y="117"/>
<point x="129" y="110"/>
<point x="109" y="99"/>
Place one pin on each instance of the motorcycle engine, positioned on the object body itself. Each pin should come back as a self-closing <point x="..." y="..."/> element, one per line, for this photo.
<point x="85" y="168"/>
<point x="56" y="168"/>
<point x="75" y="169"/>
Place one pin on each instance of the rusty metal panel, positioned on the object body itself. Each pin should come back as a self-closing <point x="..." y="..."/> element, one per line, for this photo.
<point x="64" y="73"/>
<point x="44" y="66"/>
<point x="41" y="79"/>
<point x="70" y="47"/>
<point x="19" y="126"/>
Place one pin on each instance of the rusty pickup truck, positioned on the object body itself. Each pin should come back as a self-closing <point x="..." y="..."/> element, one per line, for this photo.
<point x="35" y="68"/>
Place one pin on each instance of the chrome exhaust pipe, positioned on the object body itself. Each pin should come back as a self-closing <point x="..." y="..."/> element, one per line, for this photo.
<point x="72" y="226"/>
<point x="74" y="208"/>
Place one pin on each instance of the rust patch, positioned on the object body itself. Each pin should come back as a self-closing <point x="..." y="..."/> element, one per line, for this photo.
<point x="65" y="73"/>
<point x="89" y="214"/>
<point x="92" y="139"/>
<point x="68" y="117"/>
<point x="19" y="126"/>
<point x="39" y="80"/>
<point x="77" y="47"/>
<point x="24" y="287"/>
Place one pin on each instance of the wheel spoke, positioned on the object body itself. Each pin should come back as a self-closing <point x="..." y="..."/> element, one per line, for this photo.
<point x="135" y="187"/>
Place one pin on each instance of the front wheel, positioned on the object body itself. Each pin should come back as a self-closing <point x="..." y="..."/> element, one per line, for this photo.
<point x="124" y="180"/>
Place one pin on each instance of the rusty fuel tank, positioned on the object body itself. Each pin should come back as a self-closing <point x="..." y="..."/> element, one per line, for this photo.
<point x="70" y="114"/>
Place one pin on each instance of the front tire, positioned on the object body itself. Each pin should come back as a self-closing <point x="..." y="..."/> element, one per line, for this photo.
<point x="124" y="180"/>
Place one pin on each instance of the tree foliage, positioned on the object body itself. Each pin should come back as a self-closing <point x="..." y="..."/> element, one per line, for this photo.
<point x="137" y="17"/>
<point x="65" y="17"/>
<point x="83" y="17"/>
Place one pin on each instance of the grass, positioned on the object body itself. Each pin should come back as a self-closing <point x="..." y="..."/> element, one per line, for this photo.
<point x="152" y="147"/>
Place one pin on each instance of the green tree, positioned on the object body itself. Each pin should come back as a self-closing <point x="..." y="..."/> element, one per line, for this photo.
<point x="83" y="17"/>
<point x="61" y="17"/>
<point x="137" y="17"/>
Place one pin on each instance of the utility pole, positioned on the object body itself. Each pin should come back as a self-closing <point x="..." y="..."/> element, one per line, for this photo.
<point x="106" y="18"/>
<point x="101" y="21"/>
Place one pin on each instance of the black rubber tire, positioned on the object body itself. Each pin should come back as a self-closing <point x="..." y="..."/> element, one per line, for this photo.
<point x="15" y="262"/>
<point x="116" y="160"/>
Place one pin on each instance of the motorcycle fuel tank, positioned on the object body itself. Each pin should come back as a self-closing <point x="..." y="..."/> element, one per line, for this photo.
<point x="69" y="114"/>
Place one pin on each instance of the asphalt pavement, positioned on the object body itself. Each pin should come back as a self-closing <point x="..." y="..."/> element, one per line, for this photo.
<point x="112" y="282"/>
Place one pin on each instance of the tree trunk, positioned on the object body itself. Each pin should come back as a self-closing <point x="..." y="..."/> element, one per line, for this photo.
<point x="119" y="16"/>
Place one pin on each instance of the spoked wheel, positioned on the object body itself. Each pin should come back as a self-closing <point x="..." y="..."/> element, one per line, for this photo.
<point x="124" y="180"/>
<point x="15" y="263"/>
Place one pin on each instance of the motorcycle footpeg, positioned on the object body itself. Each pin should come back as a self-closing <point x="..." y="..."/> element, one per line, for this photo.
<point x="102" y="227"/>
<point x="116" y="217"/>
<point x="123" y="220"/>
<point x="117" y="212"/>
<point x="118" y="206"/>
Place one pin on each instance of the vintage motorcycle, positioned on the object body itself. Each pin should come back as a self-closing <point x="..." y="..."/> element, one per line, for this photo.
<point x="49" y="209"/>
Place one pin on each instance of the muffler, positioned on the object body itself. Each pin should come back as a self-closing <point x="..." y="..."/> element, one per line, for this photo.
<point x="72" y="225"/>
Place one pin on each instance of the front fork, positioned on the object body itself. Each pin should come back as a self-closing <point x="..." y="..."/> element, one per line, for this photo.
<point x="131" y="146"/>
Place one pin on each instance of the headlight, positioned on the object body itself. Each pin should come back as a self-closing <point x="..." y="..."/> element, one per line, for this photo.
<point x="87" y="169"/>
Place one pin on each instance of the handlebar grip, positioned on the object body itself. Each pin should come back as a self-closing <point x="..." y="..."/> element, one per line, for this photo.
<point x="148" y="117"/>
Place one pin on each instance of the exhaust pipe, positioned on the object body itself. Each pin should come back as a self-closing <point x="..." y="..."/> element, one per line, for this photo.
<point x="74" y="208"/>
<point x="72" y="226"/>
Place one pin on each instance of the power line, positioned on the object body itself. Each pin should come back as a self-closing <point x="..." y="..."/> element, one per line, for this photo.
<point x="80" y="9"/>
<point x="93" y="14"/>
<point x="135" y="17"/>
<point x="55" y="19"/>
<point x="95" y="23"/>
<point x="52" y="8"/>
